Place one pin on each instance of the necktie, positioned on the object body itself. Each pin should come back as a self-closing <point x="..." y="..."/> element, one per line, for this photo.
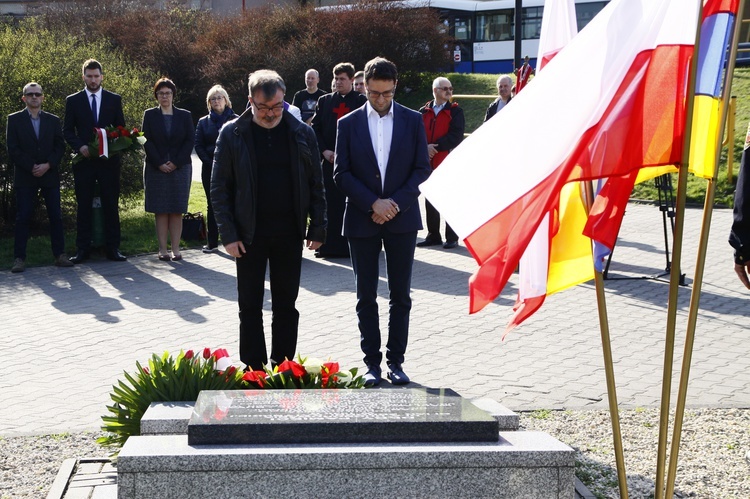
<point x="93" y="108"/>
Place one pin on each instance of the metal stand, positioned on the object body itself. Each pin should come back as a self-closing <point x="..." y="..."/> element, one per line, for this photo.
<point x="663" y="184"/>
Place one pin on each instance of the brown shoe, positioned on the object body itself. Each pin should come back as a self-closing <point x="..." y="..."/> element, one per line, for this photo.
<point x="18" y="266"/>
<point x="62" y="260"/>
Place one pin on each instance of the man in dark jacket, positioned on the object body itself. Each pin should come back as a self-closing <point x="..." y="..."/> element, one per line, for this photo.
<point x="444" y="123"/>
<point x="35" y="147"/>
<point x="331" y="108"/>
<point x="265" y="183"/>
<point x="739" y="236"/>
<point x="504" y="83"/>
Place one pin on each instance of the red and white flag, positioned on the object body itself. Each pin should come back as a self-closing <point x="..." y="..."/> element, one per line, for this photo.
<point x="608" y="104"/>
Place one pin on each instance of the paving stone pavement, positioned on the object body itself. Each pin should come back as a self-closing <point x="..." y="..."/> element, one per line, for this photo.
<point x="70" y="333"/>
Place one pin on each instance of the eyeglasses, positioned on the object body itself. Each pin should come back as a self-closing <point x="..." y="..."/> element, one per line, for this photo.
<point x="268" y="109"/>
<point x="376" y="95"/>
<point x="33" y="94"/>
<point x="445" y="89"/>
<point x="163" y="94"/>
<point x="216" y="98"/>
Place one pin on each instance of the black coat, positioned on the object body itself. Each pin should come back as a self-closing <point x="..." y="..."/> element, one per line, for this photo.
<point x="78" y="124"/>
<point x="206" y="134"/>
<point x="739" y="236"/>
<point x="25" y="150"/>
<point x="175" y="147"/>
<point x="234" y="181"/>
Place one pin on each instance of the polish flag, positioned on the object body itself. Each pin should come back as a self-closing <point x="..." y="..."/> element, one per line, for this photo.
<point x="546" y="268"/>
<point x="607" y="105"/>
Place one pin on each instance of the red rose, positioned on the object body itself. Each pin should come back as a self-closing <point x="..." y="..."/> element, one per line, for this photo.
<point x="257" y="377"/>
<point x="112" y="135"/>
<point x="206" y="353"/>
<point x="289" y="365"/>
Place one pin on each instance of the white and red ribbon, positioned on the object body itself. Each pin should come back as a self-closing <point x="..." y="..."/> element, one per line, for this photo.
<point x="103" y="144"/>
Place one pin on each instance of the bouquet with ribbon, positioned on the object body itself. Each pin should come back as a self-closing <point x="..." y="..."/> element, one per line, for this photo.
<point x="113" y="140"/>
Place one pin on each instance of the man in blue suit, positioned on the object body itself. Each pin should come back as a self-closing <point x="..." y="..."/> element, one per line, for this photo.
<point x="381" y="158"/>
<point x="94" y="107"/>
<point x="35" y="147"/>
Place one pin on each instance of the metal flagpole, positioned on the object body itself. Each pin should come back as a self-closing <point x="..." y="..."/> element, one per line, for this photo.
<point x="674" y="277"/>
<point x="701" y="260"/>
<point x="609" y="370"/>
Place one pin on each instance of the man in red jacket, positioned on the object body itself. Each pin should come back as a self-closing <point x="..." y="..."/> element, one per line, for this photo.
<point x="444" y="123"/>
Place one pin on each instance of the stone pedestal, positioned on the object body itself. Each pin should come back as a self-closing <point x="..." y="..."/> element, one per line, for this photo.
<point x="507" y="464"/>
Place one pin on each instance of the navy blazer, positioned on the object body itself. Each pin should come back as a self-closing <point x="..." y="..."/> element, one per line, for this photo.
<point x="175" y="147"/>
<point x="356" y="171"/>
<point x="26" y="150"/>
<point x="78" y="125"/>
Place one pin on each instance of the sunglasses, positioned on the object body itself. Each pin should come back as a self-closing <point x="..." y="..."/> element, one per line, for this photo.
<point x="33" y="94"/>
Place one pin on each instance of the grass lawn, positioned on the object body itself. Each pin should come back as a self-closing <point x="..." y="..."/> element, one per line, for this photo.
<point x="136" y="226"/>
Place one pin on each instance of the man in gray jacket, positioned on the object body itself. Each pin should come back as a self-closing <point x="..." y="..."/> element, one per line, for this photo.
<point x="266" y="183"/>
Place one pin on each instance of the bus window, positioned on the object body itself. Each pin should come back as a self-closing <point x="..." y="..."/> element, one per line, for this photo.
<point x="462" y="28"/>
<point x="495" y="27"/>
<point x="531" y="23"/>
<point x="585" y="12"/>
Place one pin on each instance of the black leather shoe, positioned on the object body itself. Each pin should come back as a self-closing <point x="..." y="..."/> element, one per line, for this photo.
<point x="80" y="256"/>
<point x="450" y="244"/>
<point x="116" y="256"/>
<point x="372" y="377"/>
<point x="397" y="375"/>
<point x="429" y="242"/>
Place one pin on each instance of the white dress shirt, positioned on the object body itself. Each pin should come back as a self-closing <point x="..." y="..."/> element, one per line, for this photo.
<point x="381" y="133"/>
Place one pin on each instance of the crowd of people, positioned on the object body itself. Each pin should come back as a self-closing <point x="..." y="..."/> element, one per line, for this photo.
<point x="337" y="172"/>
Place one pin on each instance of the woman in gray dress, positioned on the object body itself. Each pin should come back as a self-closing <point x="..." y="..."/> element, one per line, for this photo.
<point x="167" y="173"/>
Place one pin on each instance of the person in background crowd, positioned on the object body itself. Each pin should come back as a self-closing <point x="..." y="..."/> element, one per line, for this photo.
<point x="307" y="98"/>
<point x="739" y="236"/>
<point x="267" y="192"/>
<point x="503" y="91"/>
<point x="206" y="133"/>
<point x="94" y="107"/>
<point x="332" y="107"/>
<point x="523" y="73"/>
<point x="35" y="148"/>
<point x="444" y="124"/>
<point x="168" y="170"/>
<point x="359" y="82"/>
<point x="381" y="159"/>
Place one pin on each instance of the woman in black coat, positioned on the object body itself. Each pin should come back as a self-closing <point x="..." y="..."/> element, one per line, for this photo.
<point x="206" y="133"/>
<point x="168" y="170"/>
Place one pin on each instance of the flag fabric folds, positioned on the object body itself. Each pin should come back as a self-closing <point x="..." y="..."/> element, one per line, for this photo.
<point x="559" y="255"/>
<point x="718" y="18"/>
<point x="623" y="111"/>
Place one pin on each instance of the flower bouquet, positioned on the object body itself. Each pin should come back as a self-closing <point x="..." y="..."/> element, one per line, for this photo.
<point x="113" y="140"/>
<point x="181" y="379"/>
<point x="306" y="374"/>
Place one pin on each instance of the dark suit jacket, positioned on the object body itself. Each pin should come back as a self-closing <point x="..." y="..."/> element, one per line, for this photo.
<point x="25" y="150"/>
<point x="356" y="171"/>
<point x="175" y="147"/>
<point x="78" y="125"/>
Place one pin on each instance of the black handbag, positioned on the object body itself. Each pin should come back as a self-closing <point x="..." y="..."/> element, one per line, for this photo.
<point x="193" y="227"/>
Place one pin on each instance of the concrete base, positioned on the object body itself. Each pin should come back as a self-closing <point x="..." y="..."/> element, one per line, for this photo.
<point x="160" y="463"/>
<point x="520" y="465"/>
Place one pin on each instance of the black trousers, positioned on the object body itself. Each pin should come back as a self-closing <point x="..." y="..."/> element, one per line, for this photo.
<point x="284" y="257"/>
<point x="212" y="231"/>
<point x="335" y="244"/>
<point x="399" y="259"/>
<point x="86" y="174"/>
<point x="433" y="225"/>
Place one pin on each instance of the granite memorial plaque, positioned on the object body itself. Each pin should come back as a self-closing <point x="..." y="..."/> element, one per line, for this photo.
<point x="337" y="416"/>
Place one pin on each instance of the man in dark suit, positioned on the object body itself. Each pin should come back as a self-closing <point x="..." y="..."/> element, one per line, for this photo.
<point x="36" y="146"/>
<point x="381" y="158"/>
<point x="332" y="107"/>
<point x="94" y="107"/>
